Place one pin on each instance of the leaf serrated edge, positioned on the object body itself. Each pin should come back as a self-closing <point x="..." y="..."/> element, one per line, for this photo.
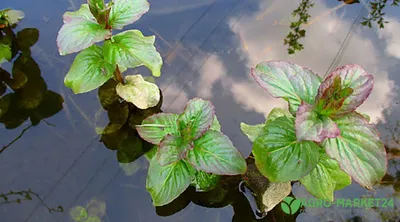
<point x="141" y="126"/>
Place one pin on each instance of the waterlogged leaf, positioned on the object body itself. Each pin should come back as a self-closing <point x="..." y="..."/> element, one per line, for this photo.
<point x="78" y="213"/>
<point x="312" y="126"/>
<point x="154" y="128"/>
<point x="88" y="71"/>
<point x="139" y="92"/>
<point x="125" y="12"/>
<point x="325" y="178"/>
<point x="51" y="104"/>
<point x="289" y="81"/>
<point x="278" y="154"/>
<point x="196" y="118"/>
<point x="353" y="77"/>
<point x="165" y="183"/>
<point x="96" y="208"/>
<point x="79" y="34"/>
<point x="107" y="94"/>
<point x="172" y="149"/>
<point x="205" y="181"/>
<point x="131" y="49"/>
<point x="83" y="13"/>
<point x="358" y="150"/>
<point x="27" y="38"/>
<point x="215" y="124"/>
<point x="93" y="219"/>
<point x="5" y="102"/>
<point x="252" y="131"/>
<point x="215" y="153"/>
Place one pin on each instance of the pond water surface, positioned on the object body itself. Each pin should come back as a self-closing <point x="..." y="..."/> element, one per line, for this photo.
<point x="208" y="48"/>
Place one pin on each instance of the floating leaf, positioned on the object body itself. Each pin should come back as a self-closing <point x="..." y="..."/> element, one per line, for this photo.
<point x="88" y="71"/>
<point x="125" y="12"/>
<point x="252" y="131"/>
<point x="157" y="126"/>
<point x="5" y="53"/>
<point x="172" y="149"/>
<point x="131" y="49"/>
<point x="78" y="213"/>
<point x="196" y="118"/>
<point x="165" y="183"/>
<point x="325" y="178"/>
<point x="358" y="150"/>
<point x="278" y="154"/>
<point x="312" y="126"/>
<point x="353" y="77"/>
<point x="78" y="34"/>
<point x="51" y="104"/>
<point x="139" y="92"/>
<point x="107" y="94"/>
<point x="288" y="81"/>
<point x="215" y="153"/>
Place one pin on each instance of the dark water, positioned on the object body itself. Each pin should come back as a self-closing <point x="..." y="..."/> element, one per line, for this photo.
<point x="208" y="48"/>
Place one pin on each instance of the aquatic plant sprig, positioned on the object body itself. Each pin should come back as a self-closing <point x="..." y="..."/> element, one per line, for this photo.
<point x="321" y="141"/>
<point x="94" y="65"/>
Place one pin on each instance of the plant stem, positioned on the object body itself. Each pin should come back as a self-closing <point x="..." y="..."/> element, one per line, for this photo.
<point x="17" y="138"/>
<point x="118" y="76"/>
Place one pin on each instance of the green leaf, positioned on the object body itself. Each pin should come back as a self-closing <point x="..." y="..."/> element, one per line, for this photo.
<point x="172" y="149"/>
<point x="93" y="219"/>
<point x="312" y="126"/>
<point x="354" y="87"/>
<point x="196" y="118"/>
<point x="289" y="81"/>
<point x="131" y="49"/>
<point x="215" y="153"/>
<point x="78" y="213"/>
<point x="154" y="128"/>
<point x="215" y="124"/>
<point x="88" y="71"/>
<point x="358" y="150"/>
<point x="139" y="92"/>
<point x="252" y="131"/>
<point x="79" y="33"/>
<point x="325" y="178"/>
<point x="96" y="7"/>
<point x="278" y="154"/>
<point x="5" y="53"/>
<point x="276" y="113"/>
<point x="83" y="13"/>
<point x="205" y="181"/>
<point x="125" y="12"/>
<point x="165" y="183"/>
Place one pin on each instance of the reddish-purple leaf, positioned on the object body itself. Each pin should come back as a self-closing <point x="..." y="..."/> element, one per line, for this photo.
<point x="354" y="77"/>
<point x="154" y="128"/>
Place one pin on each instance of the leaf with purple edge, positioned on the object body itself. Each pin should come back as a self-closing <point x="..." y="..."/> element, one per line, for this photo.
<point x="289" y="81"/>
<point x="171" y="149"/>
<point x="196" y="119"/>
<point x="79" y="34"/>
<point x="154" y="128"/>
<point x="358" y="150"/>
<point x="215" y="153"/>
<point x="312" y="126"/>
<point x="125" y="12"/>
<point x="352" y="77"/>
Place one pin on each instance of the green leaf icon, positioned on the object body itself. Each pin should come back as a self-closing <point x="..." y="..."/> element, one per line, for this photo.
<point x="290" y="205"/>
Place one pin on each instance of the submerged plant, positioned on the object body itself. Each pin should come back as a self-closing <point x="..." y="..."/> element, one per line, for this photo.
<point x="94" y="65"/>
<point x="321" y="141"/>
<point x="189" y="149"/>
